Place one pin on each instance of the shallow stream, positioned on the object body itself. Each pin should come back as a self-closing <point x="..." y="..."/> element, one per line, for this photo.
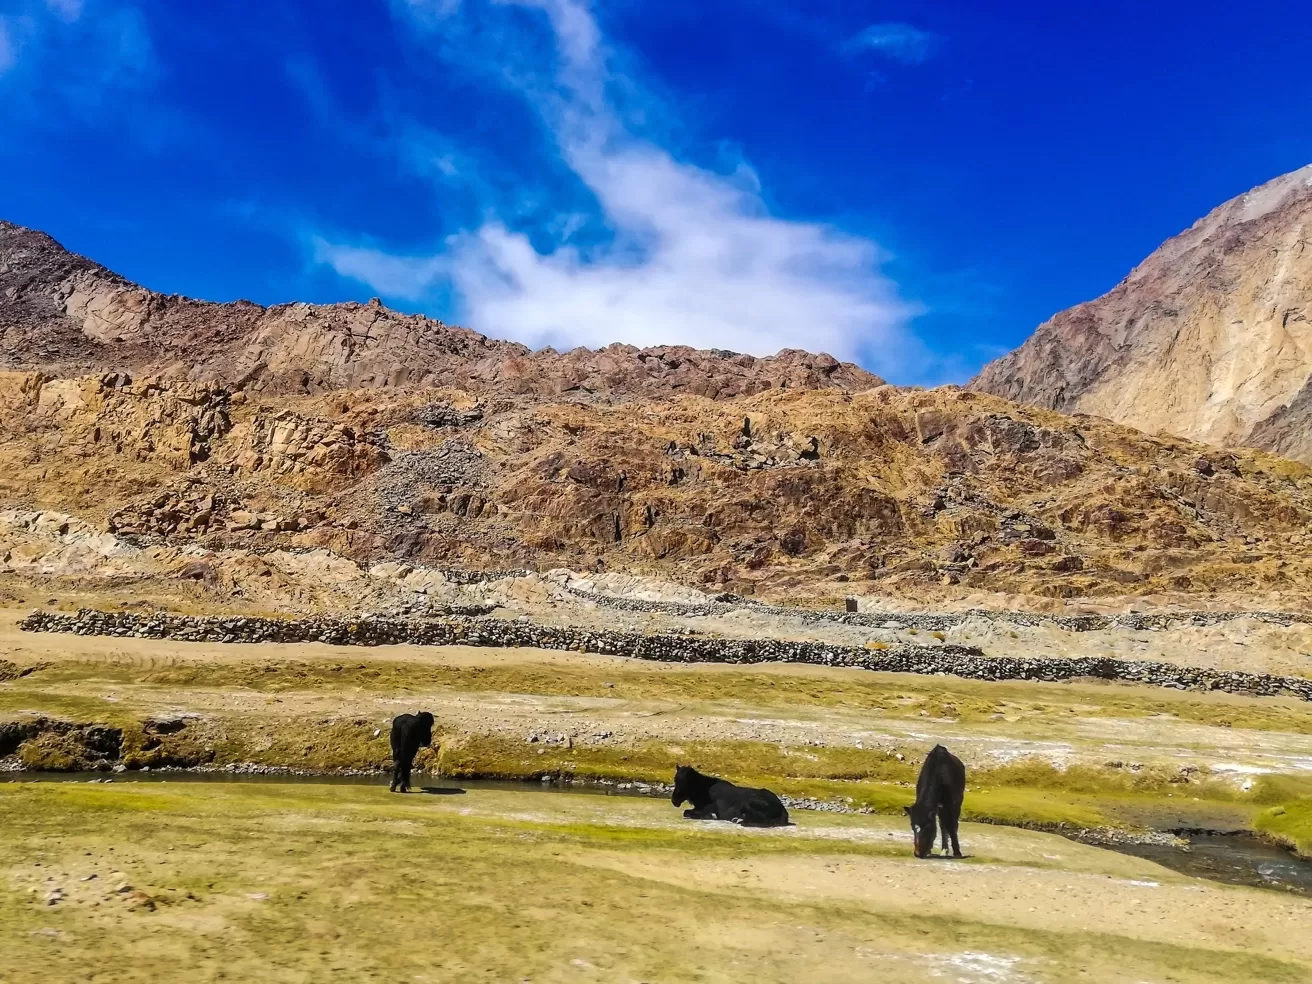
<point x="1233" y="858"/>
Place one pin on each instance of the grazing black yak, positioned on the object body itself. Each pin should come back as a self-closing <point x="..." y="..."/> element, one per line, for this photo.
<point x="939" y="792"/>
<point x="715" y="799"/>
<point x="410" y="732"/>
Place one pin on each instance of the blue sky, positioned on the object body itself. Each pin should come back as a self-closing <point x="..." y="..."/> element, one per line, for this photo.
<point x="914" y="186"/>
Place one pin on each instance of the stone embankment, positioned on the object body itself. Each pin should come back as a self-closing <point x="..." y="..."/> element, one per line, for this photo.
<point x="942" y="621"/>
<point x="953" y="660"/>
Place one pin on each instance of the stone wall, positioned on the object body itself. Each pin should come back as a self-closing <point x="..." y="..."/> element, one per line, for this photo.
<point x="942" y="621"/>
<point x="961" y="661"/>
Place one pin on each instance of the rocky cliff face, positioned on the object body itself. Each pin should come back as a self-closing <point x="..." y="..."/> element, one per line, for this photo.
<point x="1210" y="338"/>
<point x="64" y="314"/>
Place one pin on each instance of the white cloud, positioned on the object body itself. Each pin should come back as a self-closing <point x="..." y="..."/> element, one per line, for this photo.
<point x="695" y="257"/>
<point x="900" y="42"/>
<point x="405" y="277"/>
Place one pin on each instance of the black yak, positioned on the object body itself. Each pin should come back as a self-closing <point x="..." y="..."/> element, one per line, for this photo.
<point x="410" y="732"/>
<point x="939" y="792"/>
<point x="716" y="799"/>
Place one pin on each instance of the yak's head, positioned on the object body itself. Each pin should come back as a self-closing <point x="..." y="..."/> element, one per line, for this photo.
<point x="684" y="777"/>
<point x="923" y="829"/>
<point x="424" y="727"/>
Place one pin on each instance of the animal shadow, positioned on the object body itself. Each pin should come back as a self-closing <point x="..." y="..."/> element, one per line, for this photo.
<point x="442" y="790"/>
<point x="748" y="826"/>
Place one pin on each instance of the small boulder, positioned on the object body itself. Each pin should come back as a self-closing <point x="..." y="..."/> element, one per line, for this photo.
<point x="953" y="553"/>
<point x="240" y="519"/>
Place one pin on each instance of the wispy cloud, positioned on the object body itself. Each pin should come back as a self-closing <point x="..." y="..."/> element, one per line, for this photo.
<point x="690" y="255"/>
<point x="64" y="59"/>
<point x="896" y="41"/>
<point x="406" y="277"/>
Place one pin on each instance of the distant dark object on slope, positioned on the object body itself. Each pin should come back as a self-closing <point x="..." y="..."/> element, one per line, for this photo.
<point x="717" y="799"/>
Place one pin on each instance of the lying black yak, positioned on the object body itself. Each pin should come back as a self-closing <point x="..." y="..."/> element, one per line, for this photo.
<point x="939" y="792"/>
<point x="410" y="732"/>
<point x="715" y="799"/>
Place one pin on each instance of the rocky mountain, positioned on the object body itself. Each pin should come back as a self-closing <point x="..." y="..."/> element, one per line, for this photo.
<point x="64" y="314"/>
<point x="150" y="441"/>
<point x="1210" y="338"/>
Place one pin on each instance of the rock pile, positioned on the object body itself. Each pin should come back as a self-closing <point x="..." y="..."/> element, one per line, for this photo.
<point x="445" y="476"/>
<point x="953" y="660"/>
<point x="481" y="577"/>
<point x="444" y="415"/>
<point x="46" y="743"/>
<point x="195" y="509"/>
<point x="192" y="509"/>
<point x="752" y="453"/>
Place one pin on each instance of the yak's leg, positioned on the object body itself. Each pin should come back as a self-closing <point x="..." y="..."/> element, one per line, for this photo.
<point x="702" y="813"/>
<point x="949" y="817"/>
<point x="956" y="820"/>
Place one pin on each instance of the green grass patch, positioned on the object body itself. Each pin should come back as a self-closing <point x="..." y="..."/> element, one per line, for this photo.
<point x="1034" y="808"/>
<point x="1288" y="823"/>
<point x="897" y="695"/>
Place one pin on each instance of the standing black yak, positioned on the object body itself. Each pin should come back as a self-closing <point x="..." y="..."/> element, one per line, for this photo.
<point x="939" y="792"/>
<point x="715" y="799"/>
<point x="410" y="732"/>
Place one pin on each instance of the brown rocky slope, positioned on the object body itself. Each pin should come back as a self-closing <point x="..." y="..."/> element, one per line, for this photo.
<point x="790" y="478"/>
<point x="786" y="494"/>
<point x="1209" y="338"/>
